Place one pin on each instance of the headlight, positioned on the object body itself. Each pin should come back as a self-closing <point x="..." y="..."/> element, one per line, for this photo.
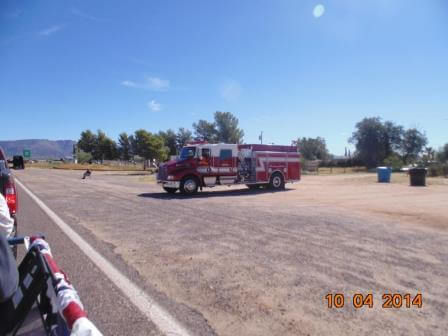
<point x="170" y="177"/>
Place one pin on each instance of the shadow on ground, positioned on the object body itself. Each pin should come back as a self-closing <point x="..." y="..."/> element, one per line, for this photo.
<point x="207" y="194"/>
<point x="131" y="174"/>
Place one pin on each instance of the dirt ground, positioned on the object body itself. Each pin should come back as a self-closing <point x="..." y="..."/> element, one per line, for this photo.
<point x="261" y="263"/>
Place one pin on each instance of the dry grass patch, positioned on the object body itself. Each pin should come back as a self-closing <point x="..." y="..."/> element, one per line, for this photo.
<point x="339" y="170"/>
<point x="403" y="178"/>
<point x="149" y="178"/>
<point x="93" y="167"/>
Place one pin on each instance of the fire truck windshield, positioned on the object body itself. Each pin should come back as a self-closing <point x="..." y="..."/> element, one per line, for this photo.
<point x="187" y="152"/>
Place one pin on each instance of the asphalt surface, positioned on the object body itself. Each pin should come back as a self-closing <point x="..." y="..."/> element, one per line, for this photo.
<point x="107" y="307"/>
<point x="230" y="261"/>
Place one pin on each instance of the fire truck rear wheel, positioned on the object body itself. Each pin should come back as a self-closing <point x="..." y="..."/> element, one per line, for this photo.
<point x="277" y="181"/>
<point x="189" y="185"/>
<point x="170" y="190"/>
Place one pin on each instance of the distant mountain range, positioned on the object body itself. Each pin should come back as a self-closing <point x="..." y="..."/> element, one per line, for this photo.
<point x="40" y="148"/>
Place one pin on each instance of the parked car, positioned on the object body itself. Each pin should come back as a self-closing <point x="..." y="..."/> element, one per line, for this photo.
<point x="8" y="189"/>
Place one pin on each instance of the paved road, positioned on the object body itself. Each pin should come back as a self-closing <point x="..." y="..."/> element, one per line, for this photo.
<point x="235" y="262"/>
<point x="106" y="305"/>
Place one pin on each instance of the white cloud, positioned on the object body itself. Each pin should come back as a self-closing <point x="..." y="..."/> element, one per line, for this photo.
<point x="231" y="90"/>
<point x="51" y="30"/>
<point x="81" y="14"/>
<point x="157" y="83"/>
<point x="150" y="83"/>
<point x="129" y="83"/>
<point x="154" y="106"/>
<point x="318" y="10"/>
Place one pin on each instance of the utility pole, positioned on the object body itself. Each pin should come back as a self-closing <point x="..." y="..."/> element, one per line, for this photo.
<point x="261" y="137"/>
<point x="75" y="153"/>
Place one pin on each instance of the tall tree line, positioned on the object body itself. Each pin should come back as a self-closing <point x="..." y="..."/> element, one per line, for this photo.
<point x="224" y="129"/>
<point x="377" y="141"/>
<point x="161" y="145"/>
<point x="312" y="148"/>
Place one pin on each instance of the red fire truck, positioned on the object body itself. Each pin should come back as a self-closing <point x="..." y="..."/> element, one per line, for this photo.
<point x="207" y="165"/>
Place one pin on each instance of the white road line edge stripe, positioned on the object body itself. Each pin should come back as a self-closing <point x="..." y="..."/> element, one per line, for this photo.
<point x="154" y="312"/>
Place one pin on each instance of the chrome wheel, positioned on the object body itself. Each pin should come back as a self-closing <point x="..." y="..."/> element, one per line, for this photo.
<point x="276" y="182"/>
<point x="189" y="186"/>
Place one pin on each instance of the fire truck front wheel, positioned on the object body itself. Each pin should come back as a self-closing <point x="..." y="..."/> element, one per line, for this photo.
<point x="189" y="185"/>
<point x="277" y="181"/>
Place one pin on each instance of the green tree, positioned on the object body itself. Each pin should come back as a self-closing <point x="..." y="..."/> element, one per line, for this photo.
<point x="369" y="139"/>
<point x="394" y="161"/>
<point x="105" y="148"/>
<point x="87" y="141"/>
<point x="227" y="130"/>
<point x="140" y="142"/>
<point x="412" y="144"/>
<point x="183" y="136"/>
<point x="131" y="139"/>
<point x="393" y="135"/>
<point x="149" y="146"/>
<point x="205" y="131"/>
<point x="124" y="146"/>
<point x="313" y="148"/>
<point x="442" y="154"/>
<point x="83" y="157"/>
<point x="158" y="149"/>
<point x="428" y="155"/>
<point x="169" y="139"/>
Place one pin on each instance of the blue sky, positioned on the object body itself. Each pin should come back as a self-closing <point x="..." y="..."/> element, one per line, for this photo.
<point x="283" y="67"/>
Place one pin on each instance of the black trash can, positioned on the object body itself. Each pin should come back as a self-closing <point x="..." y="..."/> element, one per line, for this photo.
<point x="417" y="177"/>
<point x="18" y="162"/>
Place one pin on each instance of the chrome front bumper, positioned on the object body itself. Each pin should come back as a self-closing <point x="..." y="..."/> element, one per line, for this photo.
<point x="170" y="184"/>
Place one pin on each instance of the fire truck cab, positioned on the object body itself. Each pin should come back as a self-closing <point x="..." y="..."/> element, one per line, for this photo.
<point x="207" y="165"/>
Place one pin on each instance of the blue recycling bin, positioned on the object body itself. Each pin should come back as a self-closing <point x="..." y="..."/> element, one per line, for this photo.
<point x="384" y="174"/>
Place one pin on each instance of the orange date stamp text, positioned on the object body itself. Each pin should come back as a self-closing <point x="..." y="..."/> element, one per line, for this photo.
<point x="389" y="300"/>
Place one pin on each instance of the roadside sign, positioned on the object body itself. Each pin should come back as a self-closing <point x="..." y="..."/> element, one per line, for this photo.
<point x="26" y="154"/>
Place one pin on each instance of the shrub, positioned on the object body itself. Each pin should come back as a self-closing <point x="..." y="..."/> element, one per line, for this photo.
<point x="84" y="157"/>
<point x="438" y="170"/>
<point x="442" y="154"/>
<point x="393" y="161"/>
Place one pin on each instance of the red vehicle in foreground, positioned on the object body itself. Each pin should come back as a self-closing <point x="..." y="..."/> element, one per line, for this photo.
<point x="207" y="165"/>
<point x="8" y="188"/>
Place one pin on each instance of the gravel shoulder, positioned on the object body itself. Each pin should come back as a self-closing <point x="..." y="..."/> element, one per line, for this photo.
<point x="260" y="263"/>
